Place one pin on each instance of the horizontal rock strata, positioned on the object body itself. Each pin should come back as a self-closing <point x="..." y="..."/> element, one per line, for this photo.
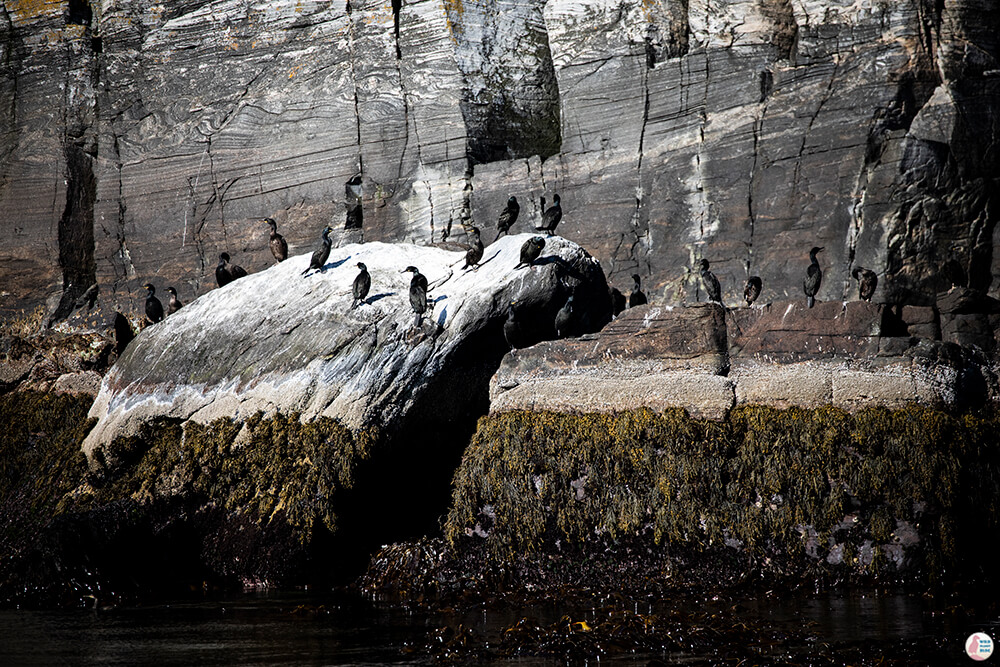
<point x="781" y="354"/>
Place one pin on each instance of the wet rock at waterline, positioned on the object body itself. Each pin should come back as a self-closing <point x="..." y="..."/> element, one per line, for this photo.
<point x="281" y="341"/>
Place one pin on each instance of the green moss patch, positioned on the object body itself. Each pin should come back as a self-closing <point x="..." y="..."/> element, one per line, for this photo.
<point x="876" y="492"/>
<point x="261" y="469"/>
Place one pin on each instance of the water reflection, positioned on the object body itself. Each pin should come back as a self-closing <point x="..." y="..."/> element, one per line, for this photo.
<point x="302" y="629"/>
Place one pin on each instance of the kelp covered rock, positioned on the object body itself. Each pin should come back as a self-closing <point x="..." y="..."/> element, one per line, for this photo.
<point x="906" y="494"/>
<point x="169" y="508"/>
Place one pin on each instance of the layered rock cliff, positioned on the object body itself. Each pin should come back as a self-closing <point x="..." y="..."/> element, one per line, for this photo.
<point x="144" y="138"/>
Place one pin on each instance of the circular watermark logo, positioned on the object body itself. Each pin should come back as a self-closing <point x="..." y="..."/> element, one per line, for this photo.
<point x="979" y="646"/>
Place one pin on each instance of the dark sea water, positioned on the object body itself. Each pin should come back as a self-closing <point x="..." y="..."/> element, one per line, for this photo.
<point x="305" y="629"/>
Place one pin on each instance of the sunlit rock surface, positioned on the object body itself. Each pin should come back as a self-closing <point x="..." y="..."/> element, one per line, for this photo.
<point x="146" y="137"/>
<point x="281" y="341"/>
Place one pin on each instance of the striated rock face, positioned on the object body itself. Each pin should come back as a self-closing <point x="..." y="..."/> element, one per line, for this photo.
<point x="148" y="137"/>
<point x="280" y="341"/>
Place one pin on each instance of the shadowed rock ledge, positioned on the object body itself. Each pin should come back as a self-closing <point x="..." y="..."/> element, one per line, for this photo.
<point x="708" y="360"/>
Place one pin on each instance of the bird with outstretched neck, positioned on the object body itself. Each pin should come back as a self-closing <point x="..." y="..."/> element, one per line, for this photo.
<point x="278" y="245"/>
<point x="321" y="254"/>
<point x="508" y="217"/>
<point x="362" y="283"/>
<point x="814" y="278"/>
<point x="154" y="309"/>
<point x="418" y="294"/>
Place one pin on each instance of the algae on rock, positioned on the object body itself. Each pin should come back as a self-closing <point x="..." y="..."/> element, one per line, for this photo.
<point x="886" y="493"/>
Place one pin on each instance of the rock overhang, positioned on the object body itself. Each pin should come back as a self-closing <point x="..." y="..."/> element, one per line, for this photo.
<point x="279" y="340"/>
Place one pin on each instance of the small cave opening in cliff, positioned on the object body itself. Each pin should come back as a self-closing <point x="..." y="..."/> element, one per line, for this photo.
<point x="78" y="13"/>
<point x="353" y="202"/>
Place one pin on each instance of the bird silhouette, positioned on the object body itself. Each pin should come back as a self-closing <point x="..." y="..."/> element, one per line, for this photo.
<point x="814" y="278"/>
<point x="321" y="254"/>
<point x="507" y="217"/>
<point x="279" y="247"/>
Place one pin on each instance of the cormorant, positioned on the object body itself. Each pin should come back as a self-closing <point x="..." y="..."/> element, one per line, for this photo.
<point x="636" y="297"/>
<point x="711" y="283"/>
<point x="226" y="273"/>
<point x="618" y="302"/>
<point x="508" y="216"/>
<point x="418" y="294"/>
<point x="362" y="283"/>
<point x="512" y="328"/>
<point x="814" y="276"/>
<point x="551" y="216"/>
<point x="154" y="309"/>
<point x="751" y="289"/>
<point x="322" y="254"/>
<point x="174" y="304"/>
<point x="279" y="247"/>
<point x="475" y="252"/>
<point x="867" y="282"/>
<point x="564" y="319"/>
<point x="530" y="251"/>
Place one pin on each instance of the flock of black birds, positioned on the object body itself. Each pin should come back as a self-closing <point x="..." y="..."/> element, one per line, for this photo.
<point x="867" y="282"/>
<point x="226" y="272"/>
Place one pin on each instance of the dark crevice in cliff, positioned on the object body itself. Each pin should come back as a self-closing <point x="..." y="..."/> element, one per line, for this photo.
<point x="353" y="187"/>
<point x="79" y="144"/>
<point x="397" y="5"/>
<point x="8" y="112"/>
<point x="640" y="216"/>
<point x="758" y="128"/>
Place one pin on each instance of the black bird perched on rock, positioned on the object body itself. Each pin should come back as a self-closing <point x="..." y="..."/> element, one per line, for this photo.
<point x="174" y="304"/>
<point x="154" y="309"/>
<point x="636" y="297"/>
<point x="564" y="319"/>
<point x="711" y="283"/>
<point x="362" y="283"/>
<point x="618" y="302"/>
<point x="418" y="294"/>
<point x="508" y="216"/>
<point x="279" y="247"/>
<point x="814" y="277"/>
<point x="530" y="250"/>
<point x="321" y="254"/>
<point x="867" y="282"/>
<point x="751" y="289"/>
<point x="551" y="216"/>
<point x="475" y="252"/>
<point x="512" y="332"/>
<point x="226" y="273"/>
